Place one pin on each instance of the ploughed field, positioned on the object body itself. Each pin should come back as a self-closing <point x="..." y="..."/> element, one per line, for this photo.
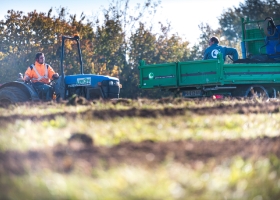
<point x="141" y="149"/>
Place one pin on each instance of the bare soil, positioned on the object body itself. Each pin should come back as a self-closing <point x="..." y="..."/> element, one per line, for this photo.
<point x="135" y="111"/>
<point x="147" y="153"/>
<point x="82" y="153"/>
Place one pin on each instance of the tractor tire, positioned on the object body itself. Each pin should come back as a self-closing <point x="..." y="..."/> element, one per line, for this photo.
<point x="10" y="95"/>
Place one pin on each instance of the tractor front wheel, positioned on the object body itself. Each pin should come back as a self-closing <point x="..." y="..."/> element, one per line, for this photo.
<point x="11" y="94"/>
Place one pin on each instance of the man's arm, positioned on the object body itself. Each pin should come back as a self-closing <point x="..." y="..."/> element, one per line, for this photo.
<point x="233" y="52"/>
<point x="52" y="74"/>
<point x="205" y="56"/>
<point x="27" y="75"/>
<point x="55" y="76"/>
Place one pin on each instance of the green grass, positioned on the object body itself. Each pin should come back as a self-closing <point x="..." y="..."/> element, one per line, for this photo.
<point x="27" y="134"/>
<point x="234" y="178"/>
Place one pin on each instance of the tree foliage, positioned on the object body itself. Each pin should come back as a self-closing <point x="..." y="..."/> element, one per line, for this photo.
<point x="206" y="33"/>
<point x="131" y="42"/>
<point x="115" y="43"/>
<point x="253" y="9"/>
<point x="153" y="48"/>
<point x="230" y="29"/>
<point x="21" y="36"/>
<point x="112" y="45"/>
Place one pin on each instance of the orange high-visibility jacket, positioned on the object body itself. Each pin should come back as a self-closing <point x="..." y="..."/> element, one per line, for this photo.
<point x="39" y="73"/>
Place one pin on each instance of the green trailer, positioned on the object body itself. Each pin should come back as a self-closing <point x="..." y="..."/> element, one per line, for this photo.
<point x="257" y="73"/>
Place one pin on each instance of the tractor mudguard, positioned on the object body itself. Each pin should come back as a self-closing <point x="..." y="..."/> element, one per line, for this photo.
<point x="26" y="88"/>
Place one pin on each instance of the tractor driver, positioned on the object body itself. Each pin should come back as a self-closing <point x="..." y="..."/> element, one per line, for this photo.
<point x="212" y="51"/>
<point x="40" y="74"/>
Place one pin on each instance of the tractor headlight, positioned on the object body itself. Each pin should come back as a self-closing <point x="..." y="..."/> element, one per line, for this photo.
<point x="111" y="83"/>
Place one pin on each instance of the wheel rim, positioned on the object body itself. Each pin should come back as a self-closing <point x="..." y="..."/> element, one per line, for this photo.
<point x="257" y="92"/>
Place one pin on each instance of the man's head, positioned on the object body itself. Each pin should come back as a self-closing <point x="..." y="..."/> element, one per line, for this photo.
<point x="213" y="40"/>
<point x="40" y="57"/>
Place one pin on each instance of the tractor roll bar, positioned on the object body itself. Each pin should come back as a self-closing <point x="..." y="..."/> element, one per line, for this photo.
<point x="77" y="39"/>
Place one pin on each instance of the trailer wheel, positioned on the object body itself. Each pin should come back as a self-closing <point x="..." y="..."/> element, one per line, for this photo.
<point x="257" y="91"/>
<point x="272" y="92"/>
<point x="12" y="95"/>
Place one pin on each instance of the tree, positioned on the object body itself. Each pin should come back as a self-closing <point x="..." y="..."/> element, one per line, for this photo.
<point x="111" y="46"/>
<point x="21" y="36"/>
<point x="120" y="44"/>
<point x="154" y="49"/>
<point x="206" y="33"/>
<point x="253" y="9"/>
<point x="107" y="43"/>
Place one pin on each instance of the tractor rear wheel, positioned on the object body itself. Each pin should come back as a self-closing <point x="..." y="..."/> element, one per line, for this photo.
<point x="12" y="95"/>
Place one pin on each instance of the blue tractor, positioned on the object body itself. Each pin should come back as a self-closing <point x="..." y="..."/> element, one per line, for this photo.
<point x="89" y="86"/>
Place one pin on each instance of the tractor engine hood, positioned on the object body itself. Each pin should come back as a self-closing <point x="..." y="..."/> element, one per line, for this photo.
<point x="87" y="80"/>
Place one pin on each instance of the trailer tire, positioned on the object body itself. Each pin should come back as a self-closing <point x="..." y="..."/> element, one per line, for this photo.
<point x="12" y="95"/>
<point x="257" y="91"/>
<point x="272" y="92"/>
